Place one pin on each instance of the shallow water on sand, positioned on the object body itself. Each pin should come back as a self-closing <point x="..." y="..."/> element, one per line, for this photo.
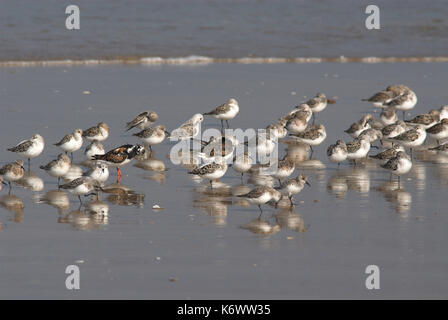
<point x="208" y="244"/>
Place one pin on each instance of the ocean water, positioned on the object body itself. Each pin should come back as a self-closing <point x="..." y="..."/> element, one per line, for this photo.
<point x="35" y="30"/>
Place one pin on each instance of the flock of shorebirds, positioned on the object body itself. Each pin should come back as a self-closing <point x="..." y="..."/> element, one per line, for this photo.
<point x="218" y="153"/>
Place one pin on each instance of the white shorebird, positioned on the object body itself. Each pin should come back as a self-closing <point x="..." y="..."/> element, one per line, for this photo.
<point x="388" y="154"/>
<point x="153" y="136"/>
<point x="399" y="165"/>
<point x="427" y="120"/>
<point x="261" y="195"/>
<point x="71" y="142"/>
<point x="383" y="97"/>
<point x="143" y="121"/>
<point x="99" y="172"/>
<point x="313" y="136"/>
<point x="94" y="148"/>
<point x="211" y="171"/>
<point x="226" y="111"/>
<point x="12" y="172"/>
<point x="388" y="116"/>
<point x="297" y="123"/>
<point x="357" y="127"/>
<point x="58" y="167"/>
<point x="439" y="131"/>
<point x="358" y="148"/>
<point x="337" y="153"/>
<point x="394" y="130"/>
<point x="294" y="186"/>
<point x="242" y="163"/>
<point x="82" y="186"/>
<point x="411" y="138"/>
<point x="100" y="132"/>
<point x="284" y="169"/>
<point x="189" y="129"/>
<point x="405" y="102"/>
<point x="29" y="148"/>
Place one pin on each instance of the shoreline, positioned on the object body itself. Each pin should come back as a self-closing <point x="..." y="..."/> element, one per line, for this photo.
<point x="204" y="60"/>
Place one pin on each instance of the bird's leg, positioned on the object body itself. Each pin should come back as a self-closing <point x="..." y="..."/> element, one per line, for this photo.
<point x="211" y="184"/>
<point x="290" y="200"/>
<point x="314" y="117"/>
<point x="311" y="155"/>
<point x="399" y="183"/>
<point x="119" y="175"/>
<point x="438" y="143"/>
<point x="59" y="179"/>
<point x="9" y="191"/>
<point x="339" y="164"/>
<point x="279" y="182"/>
<point x="227" y="121"/>
<point x="411" y="152"/>
<point x="242" y="174"/>
<point x="222" y="125"/>
<point x="261" y="211"/>
<point x="404" y="114"/>
<point x="29" y="164"/>
<point x="79" y="197"/>
<point x="71" y="156"/>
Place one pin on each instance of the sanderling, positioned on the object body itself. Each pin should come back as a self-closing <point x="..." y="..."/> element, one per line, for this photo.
<point x="443" y="112"/>
<point x="189" y="129"/>
<point x="399" y="165"/>
<point x="71" y="142"/>
<point x="120" y="156"/>
<point x="404" y="102"/>
<point x="152" y="136"/>
<point x="427" y="120"/>
<point x="443" y="148"/>
<point x="394" y="130"/>
<point x="439" y="131"/>
<point x="411" y="138"/>
<point x="303" y="108"/>
<point x="280" y="127"/>
<point x="217" y="147"/>
<point x="313" y="136"/>
<point x="94" y="148"/>
<point x="337" y="152"/>
<point x="294" y="186"/>
<point x="99" y="172"/>
<point x="317" y="104"/>
<point x="58" y="167"/>
<point x="388" y="154"/>
<point x="358" y="148"/>
<point x="381" y="98"/>
<point x="226" y="111"/>
<point x="372" y="134"/>
<point x="100" y="132"/>
<point x="242" y="163"/>
<point x="388" y="116"/>
<point x="29" y="148"/>
<point x="143" y="121"/>
<point x="80" y="187"/>
<point x="12" y="172"/>
<point x="211" y="171"/>
<point x="260" y="195"/>
<point x="284" y="169"/>
<point x="356" y="128"/>
<point x="297" y="123"/>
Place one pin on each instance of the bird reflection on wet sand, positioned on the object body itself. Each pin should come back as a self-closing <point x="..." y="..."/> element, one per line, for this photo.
<point x="31" y="181"/>
<point x="396" y="195"/>
<point x="83" y="220"/>
<point x="15" y="205"/>
<point x="122" y="195"/>
<point x="56" y="198"/>
<point x="156" y="168"/>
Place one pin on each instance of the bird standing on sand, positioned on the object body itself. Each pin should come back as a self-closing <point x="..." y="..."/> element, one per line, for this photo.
<point x="294" y="186"/>
<point x="12" y="172"/>
<point x="152" y="136"/>
<point x="357" y="127"/>
<point x="120" y="156"/>
<point x="143" y="121"/>
<point x="337" y="152"/>
<point x="399" y="165"/>
<point x="260" y="195"/>
<point x="71" y="142"/>
<point x="211" y="171"/>
<point x="100" y="132"/>
<point x="29" y="148"/>
<point x="58" y="167"/>
<point x="82" y="186"/>
<point x="226" y="111"/>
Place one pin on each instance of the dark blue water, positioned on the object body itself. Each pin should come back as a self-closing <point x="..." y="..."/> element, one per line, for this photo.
<point x="35" y="30"/>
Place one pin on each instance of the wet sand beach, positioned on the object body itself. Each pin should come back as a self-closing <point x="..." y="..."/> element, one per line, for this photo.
<point x="207" y="244"/>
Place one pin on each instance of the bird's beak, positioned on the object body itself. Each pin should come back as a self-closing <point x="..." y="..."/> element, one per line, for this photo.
<point x="22" y="167"/>
<point x="309" y="185"/>
<point x="167" y="133"/>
